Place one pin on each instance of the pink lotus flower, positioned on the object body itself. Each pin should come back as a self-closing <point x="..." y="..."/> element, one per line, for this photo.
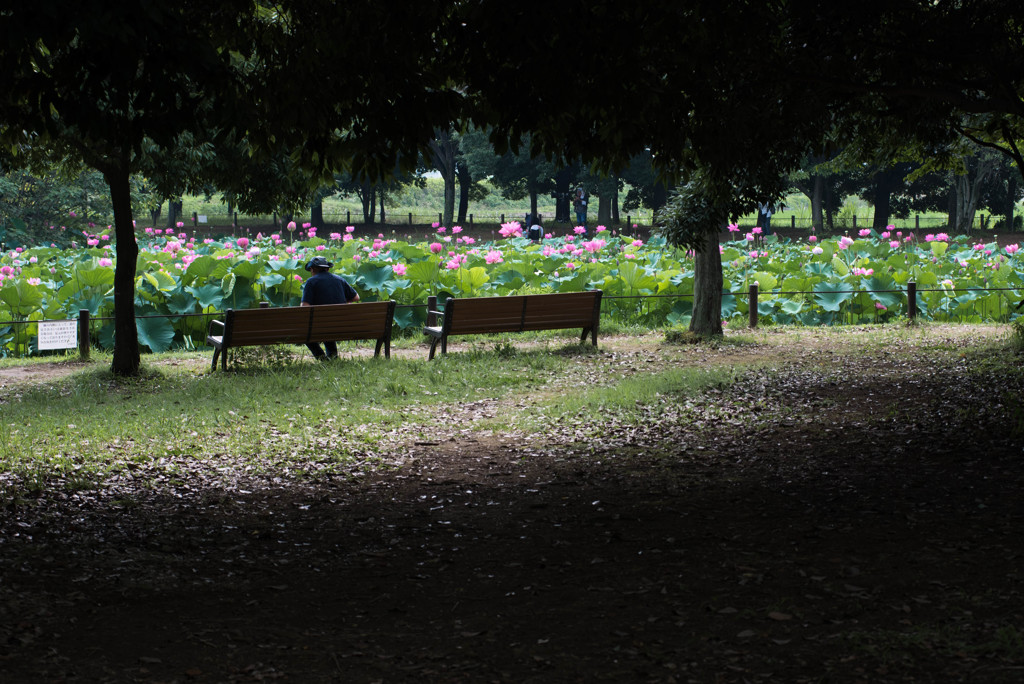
<point x="320" y="248"/>
<point x="350" y="229"/>
<point x="436" y="247"/>
<point x="494" y="257"/>
<point x="335" y="236"/>
<point x="243" y="242"/>
<point x="864" y="232"/>
<point x="106" y="262"/>
<point x="291" y="226"/>
<point x="456" y="229"/>
<point x="817" y="250"/>
<point x="753" y="254"/>
<point x="180" y="224"/>
<point x="435" y="224"/>
<point x="812" y="239"/>
<point x="638" y="243"/>
<point x="441" y="229"/>
<point x="511" y="229"/>
<point x="885" y="235"/>
<point x="756" y="230"/>
<point x="346" y="237"/>
<point x="941" y="237"/>
<point x="579" y="230"/>
<point x="733" y="228"/>
<point x="289" y="250"/>
<point x="894" y="244"/>
<point x="356" y="257"/>
<point x="929" y="237"/>
<point x="149" y="231"/>
<point x="600" y="229"/>
<point x="308" y="225"/>
<point x="398" y="269"/>
<point x="880" y="306"/>
<point x="1012" y="249"/>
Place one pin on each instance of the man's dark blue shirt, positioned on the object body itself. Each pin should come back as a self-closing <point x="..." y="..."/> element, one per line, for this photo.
<point x="327" y="288"/>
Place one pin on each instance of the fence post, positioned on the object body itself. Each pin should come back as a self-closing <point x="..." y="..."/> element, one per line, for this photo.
<point x="234" y="220"/>
<point x="629" y="221"/>
<point x="753" y="305"/>
<point x="410" y="218"/>
<point x="471" y="222"/>
<point x="83" y="334"/>
<point x="348" y="216"/>
<point x="911" y="300"/>
<point x="792" y="221"/>
<point x="855" y="222"/>
<point x="502" y="219"/>
<point x="431" y="306"/>
<point x="440" y="217"/>
<point x="195" y="219"/>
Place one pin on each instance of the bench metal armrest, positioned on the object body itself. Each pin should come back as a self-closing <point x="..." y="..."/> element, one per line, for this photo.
<point x="209" y="329"/>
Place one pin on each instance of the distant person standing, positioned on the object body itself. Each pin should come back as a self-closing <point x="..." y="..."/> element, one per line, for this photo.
<point x="324" y="287"/>
<point x="764" y="217"/>
<point x="579" y="205"/>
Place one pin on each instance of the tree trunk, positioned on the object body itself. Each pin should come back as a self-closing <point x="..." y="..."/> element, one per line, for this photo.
<point x="817" y="199"/>
<point x="707" y="288"/>
<point x="172" y="213"/>
<point x="465" y="180"/>
<point x="615" y="202"/>
<point x="884" y="183"/>
<point x="533" y="204"/>
<point x="443" y="152"/>
<point x="604" y="209"/>
<point x="383" y="216"/>
<point x="563" y="178"/>
<point x="126" y="360"/>
<point x="968" y="193"/>
<point x="316" y="214"/>
<point x="1011" y="194"/>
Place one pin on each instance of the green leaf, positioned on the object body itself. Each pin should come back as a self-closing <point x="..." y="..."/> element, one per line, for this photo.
<point x="830" y="297"/>
<point x="156" y="333"/>
<point x="208" y="296"/>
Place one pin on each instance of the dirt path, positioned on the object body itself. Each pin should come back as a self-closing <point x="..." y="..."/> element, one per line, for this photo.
<point x="857" y="520"/>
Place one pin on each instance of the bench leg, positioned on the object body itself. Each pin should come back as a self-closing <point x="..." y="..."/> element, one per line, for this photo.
<point x="376" y="351"/>
<point x="216" y="353"/>
<point x="433" y="347"/>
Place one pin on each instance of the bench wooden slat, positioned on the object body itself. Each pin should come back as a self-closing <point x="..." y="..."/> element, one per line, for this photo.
<point x="301" y="324"/>
<point x="516" y="313"/>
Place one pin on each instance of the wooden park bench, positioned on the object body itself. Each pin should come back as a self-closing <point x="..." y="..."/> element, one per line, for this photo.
<point x="302" y="324"/>
<point x="516" y="313"/>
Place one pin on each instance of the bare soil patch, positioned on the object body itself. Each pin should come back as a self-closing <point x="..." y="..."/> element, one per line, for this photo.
<point x="852" y="513"/>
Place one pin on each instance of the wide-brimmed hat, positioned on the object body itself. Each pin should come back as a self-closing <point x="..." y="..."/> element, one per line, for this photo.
<point x="319" y="262"/>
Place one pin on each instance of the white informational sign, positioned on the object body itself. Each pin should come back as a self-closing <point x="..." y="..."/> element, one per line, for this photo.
<point x="201" y="218"/>
<point x="58" y="335"/>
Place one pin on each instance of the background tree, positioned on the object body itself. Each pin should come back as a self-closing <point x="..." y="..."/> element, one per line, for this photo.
<point x="91" y="86"/>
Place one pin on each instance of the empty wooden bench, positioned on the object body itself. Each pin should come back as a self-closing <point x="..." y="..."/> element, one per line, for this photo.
<point x="302" y="324"/>
<point x="480" y="315"/>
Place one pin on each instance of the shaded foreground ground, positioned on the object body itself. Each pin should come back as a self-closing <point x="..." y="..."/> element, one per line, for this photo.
<point x="852" y="515"/>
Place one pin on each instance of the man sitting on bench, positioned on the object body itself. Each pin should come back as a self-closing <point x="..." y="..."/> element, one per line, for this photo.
<point x="325" y="287"/>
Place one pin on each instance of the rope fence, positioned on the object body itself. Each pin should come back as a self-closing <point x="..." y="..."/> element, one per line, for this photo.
<point x="87" y="323"/>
